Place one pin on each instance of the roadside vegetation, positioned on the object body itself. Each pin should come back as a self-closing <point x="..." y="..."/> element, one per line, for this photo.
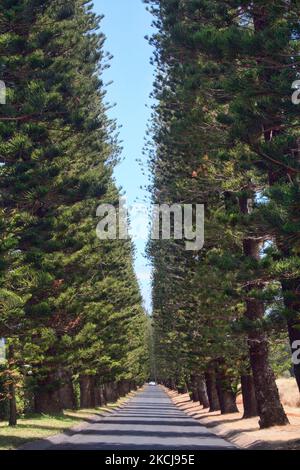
<point x="225" y="134"/>
<point x="71" y="310"/>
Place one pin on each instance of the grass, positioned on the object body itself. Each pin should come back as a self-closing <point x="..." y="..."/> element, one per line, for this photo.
<point x="33" y="427"/>
<point x="289" y="392"/>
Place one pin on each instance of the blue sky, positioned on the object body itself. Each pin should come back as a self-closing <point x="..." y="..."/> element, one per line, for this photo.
<point x="125" y="25"/>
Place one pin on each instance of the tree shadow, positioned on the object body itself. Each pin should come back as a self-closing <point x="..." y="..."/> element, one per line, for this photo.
<point x="148" y="433"/>
<point x="116" y="446"/>
<point x="187" y="423"/>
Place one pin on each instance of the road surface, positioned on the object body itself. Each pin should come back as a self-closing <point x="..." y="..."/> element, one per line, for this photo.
<point x="149" y="421"/>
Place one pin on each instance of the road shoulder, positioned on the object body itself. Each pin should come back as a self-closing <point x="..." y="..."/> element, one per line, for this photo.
<point x="243" y="433"/>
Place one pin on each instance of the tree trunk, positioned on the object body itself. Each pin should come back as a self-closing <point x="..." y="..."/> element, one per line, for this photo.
<point x="102" y="395"/>
<point x="87" y="391"/>
<point x="115" y="391"/>
<point x="188" y="385"/>
<point x="12" y="389"/>
<point x="105" y="394"/>
<point x="46" y="396"/>
<point x="290" y="287"/>
<point x="112" y="391"/>
<point x="210" y="379"/>
<point x="131" y="386"/>
<point x="195" y="396"/>
<point x="226" y="394"/>
<point x="12" y="405"/>
<point x="270" y="409"/>
<point x="249" y="399"/>
<point x="124" y="387"/>
<point x="173" y="384"/>
<point x="128" y="387"/>
<point x="66" y="390"/>
<point x="202" y="392"/>
<point x="121" y="389"/>
<point x="194" y="389"/>
<point x="98" y="396"/>
<point x="291" y="294"/>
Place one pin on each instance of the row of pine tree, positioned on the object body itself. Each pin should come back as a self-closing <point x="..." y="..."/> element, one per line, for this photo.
<point x="70" y="306"/>
<point x="226" y="135"/>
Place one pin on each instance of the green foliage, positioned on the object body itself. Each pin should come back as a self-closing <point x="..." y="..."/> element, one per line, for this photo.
<point x="225" y="133"/>
<point x="67" y="300"/>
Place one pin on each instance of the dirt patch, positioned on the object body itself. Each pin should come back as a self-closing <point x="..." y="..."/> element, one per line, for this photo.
<point x="289" y="392"/>
<point x="244" y="433"/>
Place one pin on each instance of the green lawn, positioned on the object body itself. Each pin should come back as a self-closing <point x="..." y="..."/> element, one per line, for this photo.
<point x="33" y="427"/>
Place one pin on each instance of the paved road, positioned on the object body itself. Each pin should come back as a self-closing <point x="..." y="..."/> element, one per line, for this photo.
<point x="149" y="421"/>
